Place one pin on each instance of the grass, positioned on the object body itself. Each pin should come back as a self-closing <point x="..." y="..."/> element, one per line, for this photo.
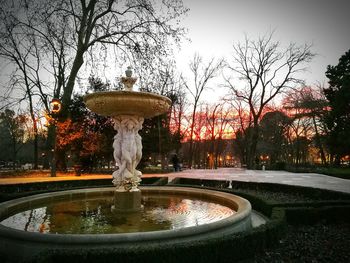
<point x="340" y="172"/>
<point x="336" y="172"/>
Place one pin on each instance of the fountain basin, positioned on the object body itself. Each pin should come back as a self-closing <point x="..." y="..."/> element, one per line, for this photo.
<point x="32" y="244"/>
<point x="113" y="103"/>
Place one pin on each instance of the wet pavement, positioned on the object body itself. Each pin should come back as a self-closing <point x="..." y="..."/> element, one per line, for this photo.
<point x="228" y="174"/>
<point x="279" y="177"/>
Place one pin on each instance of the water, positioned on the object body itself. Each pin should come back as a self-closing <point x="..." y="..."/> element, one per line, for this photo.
<point x="96" y="216"/>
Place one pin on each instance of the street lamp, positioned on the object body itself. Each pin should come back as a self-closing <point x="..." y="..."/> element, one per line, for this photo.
<point x="264" y="159"/>
<point x="55" y="108"/>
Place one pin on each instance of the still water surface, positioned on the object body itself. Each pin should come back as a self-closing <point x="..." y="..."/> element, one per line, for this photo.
<point x="96" y="216"/>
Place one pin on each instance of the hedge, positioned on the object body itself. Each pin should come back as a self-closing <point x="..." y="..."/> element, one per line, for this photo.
<point x="332" y="207"/>
<point x="315" y="193"/>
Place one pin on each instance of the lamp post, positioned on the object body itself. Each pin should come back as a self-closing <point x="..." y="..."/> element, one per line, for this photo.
<point x="264" y="159"/>
<point x="55" y="108"/>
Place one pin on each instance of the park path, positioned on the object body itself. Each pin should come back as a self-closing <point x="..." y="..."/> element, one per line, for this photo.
<point x="281" y="177"/>
<point x="228" y="174"/>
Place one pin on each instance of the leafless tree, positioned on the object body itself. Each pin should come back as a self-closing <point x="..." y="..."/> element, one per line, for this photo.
<point x="202" y="74"/>
<point x="21" y="50"/>
<point x="60" y="33"/>
<point x="134" y="27"/>
<point x="265" y="69"/>
<point x="307" y="106"/>
<point x="177" y="112"/>
<point x="217" y="119"/>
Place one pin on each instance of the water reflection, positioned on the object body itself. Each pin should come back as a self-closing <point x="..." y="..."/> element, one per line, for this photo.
<point x="92" y="216"/>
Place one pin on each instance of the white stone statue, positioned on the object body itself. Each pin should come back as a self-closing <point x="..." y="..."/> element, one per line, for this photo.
<point x="127" y="152"/>
<point x="129" y="109"/>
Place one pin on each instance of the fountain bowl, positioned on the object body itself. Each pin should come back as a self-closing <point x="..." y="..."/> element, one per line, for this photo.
<point x="113" y="103"/>
<point x="33" y="245"/>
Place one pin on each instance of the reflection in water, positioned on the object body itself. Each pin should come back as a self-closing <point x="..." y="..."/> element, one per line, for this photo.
<point x="95" y="216"/>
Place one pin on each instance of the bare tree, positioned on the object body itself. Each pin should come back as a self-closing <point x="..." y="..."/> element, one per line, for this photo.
<point x="63" y="33"/>
<point x="162" y="79"/>
<point x="202" y="74"/>
<point x="22" y="51"/>
<point x="307" y="105"/>
<point x="266" y="69"/>
<point x="177" y="112"/>
<point x="217" y="120"/>
<point x="135" y="27"/>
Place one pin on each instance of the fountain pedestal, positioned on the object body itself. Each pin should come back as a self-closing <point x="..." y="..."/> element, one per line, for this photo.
<point x="127" y="201"/>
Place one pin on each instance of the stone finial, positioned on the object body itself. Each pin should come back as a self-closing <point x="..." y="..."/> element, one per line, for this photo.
<point x="128" y="71"/>
<point x="128" y="81"/>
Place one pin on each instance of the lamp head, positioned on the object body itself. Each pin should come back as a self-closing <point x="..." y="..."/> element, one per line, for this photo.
<point x="55" y="106"/>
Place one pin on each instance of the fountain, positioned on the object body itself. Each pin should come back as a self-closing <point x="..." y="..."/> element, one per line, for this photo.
<point x="120" y="219"/>
<point x="128" y="109"/>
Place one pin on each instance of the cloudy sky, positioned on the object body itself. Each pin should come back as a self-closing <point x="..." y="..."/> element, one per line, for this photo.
<point x="215" y="24"/>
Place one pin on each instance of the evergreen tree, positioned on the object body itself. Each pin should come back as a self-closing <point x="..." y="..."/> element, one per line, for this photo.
<point x="338" y="119"/>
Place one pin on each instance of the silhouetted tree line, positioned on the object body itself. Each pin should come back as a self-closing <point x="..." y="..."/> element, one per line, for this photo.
<point x="66" y="36"/>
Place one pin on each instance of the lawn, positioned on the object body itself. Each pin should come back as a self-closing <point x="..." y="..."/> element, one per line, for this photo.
<point x="343" y="172"/>
<point x="340" y="172"/>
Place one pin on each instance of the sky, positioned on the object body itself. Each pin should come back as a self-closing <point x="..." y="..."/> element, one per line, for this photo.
<point x="214" y="26"/>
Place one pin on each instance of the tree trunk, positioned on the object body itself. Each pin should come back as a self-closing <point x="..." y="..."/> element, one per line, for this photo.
<point x="318" y="142"/>
<point x="337" y="160"/>
<point x="297" y="152"/>
<point x="36" y="151"/>
<point x="14" y="156"/>
<point x="66" y="97"/>
<point x="190" y="153"/>
<point x="190" y="160"/>
<point x="252" y="147"/>
<point x="49" y="146"/>
<point x="60" y="157"/>
<point x="35" y="129"/>
<point x="68" y="90"/>
<point x="32" y="116"/>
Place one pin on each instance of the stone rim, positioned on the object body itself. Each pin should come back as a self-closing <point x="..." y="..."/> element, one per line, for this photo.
<point x="229" y="224"/>
<point x="115" y="103"/>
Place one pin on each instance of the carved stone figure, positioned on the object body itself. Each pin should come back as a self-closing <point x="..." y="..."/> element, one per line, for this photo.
<point x="127" y="152"/>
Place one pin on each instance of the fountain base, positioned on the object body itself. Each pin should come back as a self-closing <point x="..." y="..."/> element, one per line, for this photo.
<point x="153" y="245"/>
<point x="127" y="202"/>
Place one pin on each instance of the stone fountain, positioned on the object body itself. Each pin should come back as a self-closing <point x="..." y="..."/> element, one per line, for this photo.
<point x="109" y="221"/>
<point x="128" y="109"/>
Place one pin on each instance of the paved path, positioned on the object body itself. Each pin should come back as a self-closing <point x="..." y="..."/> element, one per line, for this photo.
<point x="47" y="178"/>
<point x="234" y="174"/>
<point x="281" y="177"/>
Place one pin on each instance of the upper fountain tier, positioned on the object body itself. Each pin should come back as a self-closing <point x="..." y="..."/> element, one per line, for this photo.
<point x="116" y="103"/>
<point x="127" y="102"/>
